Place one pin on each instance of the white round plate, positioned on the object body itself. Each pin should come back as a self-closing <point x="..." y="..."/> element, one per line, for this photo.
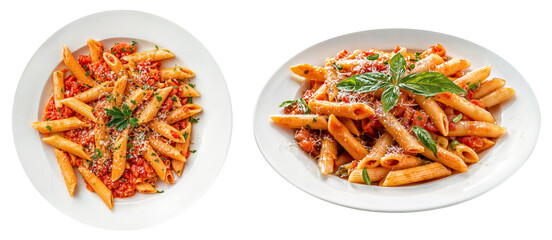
<point x="213" y="130"/>
<point x="520" y="115"/>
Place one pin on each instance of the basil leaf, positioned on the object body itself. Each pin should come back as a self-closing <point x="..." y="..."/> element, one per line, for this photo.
<point x="288" y="103"/>
<point x="304" y="106"/>
<point x="390" y="97"/>
<point x="373" y="57"/>
<point x="424" y="136"/>
<point x="429" y="84"/>
<point x="453" y="145"/>
<point x="397" y="64"/>
<point x="133" y="122"/>
<point x="366" y="82"/>
<point x="457" y="118"/>
<point x="337" y="66"/>
<point x="366" y="177"/>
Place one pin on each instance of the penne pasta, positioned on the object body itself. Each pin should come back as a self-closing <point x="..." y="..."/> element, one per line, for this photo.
<point x="466" y="153"/>
<point x="346" y="139"/>
<point x="436" y="114"/>
<point x="60" y="125"/>
<point x="328" y="154"/>
<point x="399" y="133"/>
<point x="135" y="98"/>
<point x="183" y="112"/>
<point x="96" y="49"/>
<point x="166" y="149"/>
<point x="355" y="111"/>
<point x="464" y="106"/>
<point x="398" y="161"/>
<point x="178" y="166"/>
<point x="152" y="55"/>
<point x="119" y="155"/>
<point x="80" y="107"/>
<point x="497" y="97"/>
<point x="376" y="174"/>
<point x="119" y="91"/>
<point x="145" y="188"/>
<point x="67" y="145"/>
<point x="59" y="88"/>
<point x="114" y="64"/>
<point x="76" y="69"/>
<point x="476" y="128"/>
<point x="488" y="87"/>
<point x="153" y="106"/>
<point x="67" y="171"/>
<point x="428" y="63"/>
<point x="415" y="174"/>
<point x="186" y="90"/>
<point x="452" y="66"/>
<point x="95" y="92"/>
<point x="155" y="161"/>
<point x="474" y="76"/>
<point x="309" y="72"/>
<point x="166" y="131"/>
<point x="447" y="158"/>
<point x="377" y="152"/>
<point x="98" y="186"/>
<point x="176" y="73"/>
<point x="350" y="124"/>
<point x="301" y="121"/>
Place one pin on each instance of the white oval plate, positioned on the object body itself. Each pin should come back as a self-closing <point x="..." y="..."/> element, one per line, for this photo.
<point x="520" y="115"/>
<point x="140" y="210"/>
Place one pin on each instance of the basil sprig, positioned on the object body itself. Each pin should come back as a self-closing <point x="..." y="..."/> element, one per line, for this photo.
<point x="423" y="83"/>
<point x="121" y="117"/>
<point x="301" y="102"/>
<point x="424" y="137"/>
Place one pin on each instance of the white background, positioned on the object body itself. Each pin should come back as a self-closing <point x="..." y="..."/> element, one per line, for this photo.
<point x="250" y="40"/>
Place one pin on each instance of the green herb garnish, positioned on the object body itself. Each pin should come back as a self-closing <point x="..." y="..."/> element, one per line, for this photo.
<point x="337" y="66"/>
<point x="457" y="118"/>
<point x="424" y="136"/>
<point x="373" y="57"/>
<point x="49" y="128"/>
<point x="423" y="83"/>
<point x="366" y="177"/>
<point x="121" y="117"/>
<point x="453" y="144"/>
<point x="301" y="102"/>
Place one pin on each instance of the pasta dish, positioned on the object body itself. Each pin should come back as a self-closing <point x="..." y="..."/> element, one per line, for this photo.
<point x="394" y="118"/>
<point x="120" y="119"/>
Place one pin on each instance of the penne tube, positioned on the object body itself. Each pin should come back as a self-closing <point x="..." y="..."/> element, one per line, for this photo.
<point x="80" y="107"/>
<point x="342" y="159"/>
<point x="466" y="107"/>
<point x="119" y="155"/>
<point x="98" y="186"/>
<point x="399" y="133"/>
<point x="447" y="158"/>
<point x="321" y="93"/>
<point x="153" y="106"/>
<point x="488" y="87"/>
<point x="119" y="91"/>
<point x="177" y="73"/>
<point x="442" y="141"/>
<point x="95" y="92"/>
<point x="96" y="49"/>
<point x="466" y="153"/>
<point x="350" y="125"/>
<point x="487" y="143"/>
<point x="101" y="140"/>
<point x="60" y="125"/>
<point x="476" y="128"/>
<point x="152" y="55"/>
<point x="309" y="72"/>
<point x="186" y="90"/>
<point x="135" y="98"/>
<point x="497" y="97"/>
<point x="474" y="76"/>
<point x="155" y="161"/>
<point x="452" y="66"/>
<point x="67" y="171"/>
<point x="167" y="131"/>
<point x="375" y="174"/>
<point x="355" y="111"/>
<point x="67" y="145"/>
<point x="398" y="161"/>
<point x="328" y="154"/>
<point x="145" y="188"/>
<point x="114" y="64"/>
<point x="166" y="149"/>
<point x="301" y="121"/>
<point x="76" y="69"/>
<point x="436" y="114"/>
<point x="428" y="63"/>
<point x="178" y="166"/>
<point x="415" y="174"/>
<point x="377" y="152"/>
<point x="346" y="139"/>
<point x="59" y="87"/>
<point x="169" y="179"/>
<point x="183" y="112"/>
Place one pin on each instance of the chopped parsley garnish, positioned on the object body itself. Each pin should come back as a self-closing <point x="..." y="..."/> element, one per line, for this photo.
<point x="194" y="120"/>
<point x="337" y="66"/>
<point x="453" y="144"/>
<point x="193" y="151"/>
<point x="97" y="154"/>
<point x="457" y="118"/>
<point x="49" y="128"/>
<point x="473" y="86"/>
<point x="300" y="102"/>
<point x="373" y="57"/>
<point x="121" y="117"/>
<point x="185" y="135"/>
<point x="87" y="73"/>
<point x="159" y="98"/>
